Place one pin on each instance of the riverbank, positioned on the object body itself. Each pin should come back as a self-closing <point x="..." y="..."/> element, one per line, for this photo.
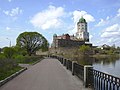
<point x="102" y="56"/>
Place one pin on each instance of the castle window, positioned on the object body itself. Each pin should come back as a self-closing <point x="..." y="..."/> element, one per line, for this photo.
<point x="82" y="27"/>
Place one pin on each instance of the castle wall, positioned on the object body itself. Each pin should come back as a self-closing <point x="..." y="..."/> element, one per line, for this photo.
<point x="68" y="43"/>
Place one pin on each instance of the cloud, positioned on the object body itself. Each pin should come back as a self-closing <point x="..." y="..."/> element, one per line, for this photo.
<point x="111" y="34"/>
<point x="118" y="12"/>
<point x="78" y="14"/>
<point x="91" y="36"/>
<point x="111" y="31"/>
<point x="109" y="20"/>
<point x="14" y="12"/>
<point x="49" y="18"/>
<point x="8" y="28"/>
<point x="103" y="22"/>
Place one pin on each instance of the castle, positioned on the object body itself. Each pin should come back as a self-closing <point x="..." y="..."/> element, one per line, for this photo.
<point x="66" y="40"/>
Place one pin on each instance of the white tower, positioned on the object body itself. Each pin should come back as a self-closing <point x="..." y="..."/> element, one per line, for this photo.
<point x="82" y="33"/>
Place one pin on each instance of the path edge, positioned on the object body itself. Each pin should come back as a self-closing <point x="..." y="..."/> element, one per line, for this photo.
<point x="2" y="82"/>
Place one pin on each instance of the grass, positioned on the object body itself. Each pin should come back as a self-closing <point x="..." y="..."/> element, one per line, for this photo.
<point x="10" y="66"/>
<point x="28" y="59"/>
<point x="6" y="74"/>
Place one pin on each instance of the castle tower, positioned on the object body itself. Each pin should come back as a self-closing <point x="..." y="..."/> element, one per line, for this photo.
<point x="54" y="41"/>
<point x="82" y="33"/>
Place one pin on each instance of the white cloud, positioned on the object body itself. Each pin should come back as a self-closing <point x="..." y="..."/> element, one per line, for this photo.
<point x="78" y="14"/>
<point x="91" y="36"/>
<point x="111" y="31"/>
<point x="111" y="34"/>
<point x="109" y="20"/>
<point x="50" y="18"/>
<point x="118" y="12"/>
<point x="14" y="12"/>
<point x="72" y="30"/>
<point x="7" y="28"/>
<point x="103" y="22"/>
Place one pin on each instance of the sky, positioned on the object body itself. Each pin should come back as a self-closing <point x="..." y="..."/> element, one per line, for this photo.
<point x="59" y="17"/>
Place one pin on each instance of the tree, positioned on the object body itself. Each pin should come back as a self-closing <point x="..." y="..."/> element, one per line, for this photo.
<point x="31" y="42"/>
<point x="85" y="49"/>
<point x="9" y="52"/>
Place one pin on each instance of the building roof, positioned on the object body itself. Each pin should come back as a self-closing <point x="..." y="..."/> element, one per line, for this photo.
<point x="82" y="20"/>
<point x="55" y="35"/>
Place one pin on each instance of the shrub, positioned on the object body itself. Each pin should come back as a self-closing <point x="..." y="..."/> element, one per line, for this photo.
<point x="7" y="64"/>
<point x="19" y="58"/>
<point x="27" y="59"/>
<point x="85" y="49"/>
<point x="2" y="56"/>
<point x="9" y="52"/>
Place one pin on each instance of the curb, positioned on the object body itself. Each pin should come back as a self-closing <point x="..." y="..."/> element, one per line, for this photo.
<point x="2" y="82"/>
<point x="36" y="62"/>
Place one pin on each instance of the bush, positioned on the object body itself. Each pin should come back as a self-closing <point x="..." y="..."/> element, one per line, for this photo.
<point x="7" y="64"/>
<point x="2" y="56"/>
<point x="8" y="67"/>
<point x="27" y="59"/>
<point x="19" y="58"/>
<point x="85" y="49"/>
<point x="9" y="52"/>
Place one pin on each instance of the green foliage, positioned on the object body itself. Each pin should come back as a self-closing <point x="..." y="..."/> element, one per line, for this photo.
<point x="9" y="52"/>
<point x="108" y="51"/>
<point x="31" y="42"/>
<point x="2" y="56"/>
<point x="20" y="51"/>
<point x="27" y="59"/>
<point x="85" y="49"/>
<point x="5" y="74"/>
<point x="6" y="65"/>
<point x="45" y="47"/>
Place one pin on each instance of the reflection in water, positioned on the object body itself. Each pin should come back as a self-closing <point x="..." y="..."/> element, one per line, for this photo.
<point x="110" y="65"/>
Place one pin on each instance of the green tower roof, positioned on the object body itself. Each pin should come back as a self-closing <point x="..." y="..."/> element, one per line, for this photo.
<point x="55" y="35"/>
<point x="82" y="20"/>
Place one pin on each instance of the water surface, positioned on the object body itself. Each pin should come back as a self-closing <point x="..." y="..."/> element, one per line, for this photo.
<point x="110" y="65"/>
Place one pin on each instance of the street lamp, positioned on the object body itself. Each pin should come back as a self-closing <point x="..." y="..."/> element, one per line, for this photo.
<point x="10" y="42"/>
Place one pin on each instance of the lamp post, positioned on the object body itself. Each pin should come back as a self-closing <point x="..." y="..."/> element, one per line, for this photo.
<point x="10" y="42"/>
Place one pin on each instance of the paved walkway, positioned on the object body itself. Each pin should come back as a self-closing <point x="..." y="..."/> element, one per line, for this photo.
<point x="48" y="74"/>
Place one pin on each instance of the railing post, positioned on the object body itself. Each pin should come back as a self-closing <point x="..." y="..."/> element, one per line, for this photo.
<point x="63" y="61"/>
<point x="73" y="62"/>
<point x="88" y="76"/>
<point x="66" y="63"/>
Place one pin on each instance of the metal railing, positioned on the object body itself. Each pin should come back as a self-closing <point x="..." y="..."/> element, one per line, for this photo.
<point x="69" y="65"/>
<point x="103" y="81"/>
<point x="91" y="78"/>
<point x="65" y="62"/>
<point x="79" y="71"/>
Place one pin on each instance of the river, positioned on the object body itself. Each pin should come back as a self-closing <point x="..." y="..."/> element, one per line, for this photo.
<point x="110" y="65"/>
